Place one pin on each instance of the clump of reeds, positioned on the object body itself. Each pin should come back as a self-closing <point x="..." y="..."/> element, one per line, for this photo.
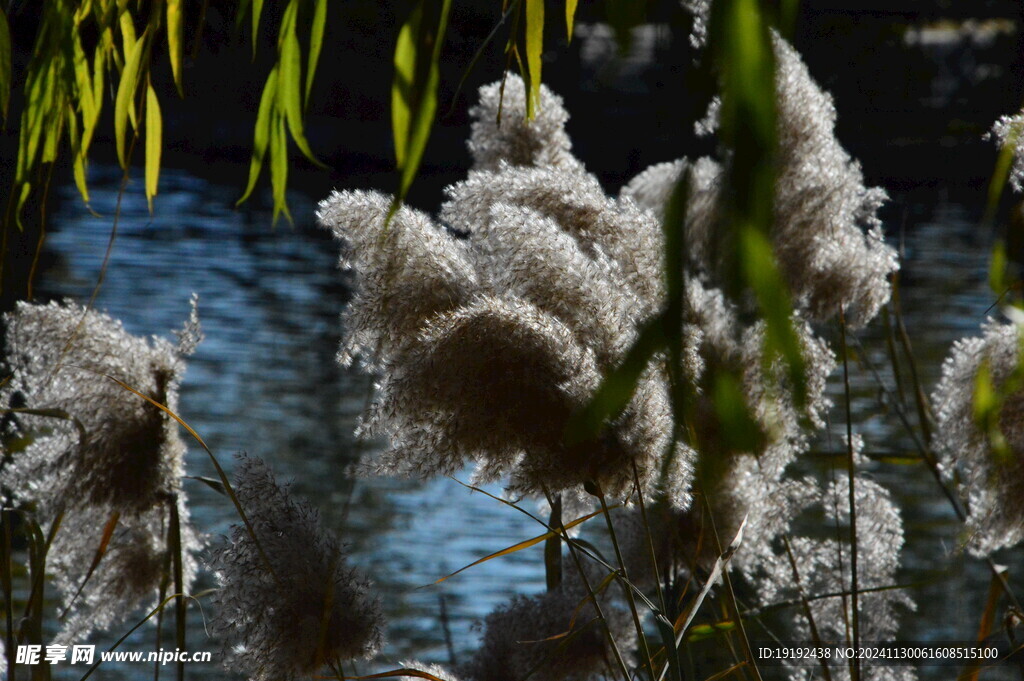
<point x="94" y="459"/>
<point x="289" y="602"/>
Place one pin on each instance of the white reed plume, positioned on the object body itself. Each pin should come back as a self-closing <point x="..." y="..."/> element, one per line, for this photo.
<point x="992" y="488"/>
<point x="501" y="131"/>
<point x="826" y="236"/>
<point x="1008" y="130"/>
<point x="553" y="636"/>
<point x="96" y="453"/>
<point x="288" y="602"/>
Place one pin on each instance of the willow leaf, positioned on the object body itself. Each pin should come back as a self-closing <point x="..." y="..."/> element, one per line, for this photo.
<point x="279" y="168"/>
<point x="261" y="136"/>
<point x="124" y="100"/>
<point x="414" y="89"/>
<point x="78" y="157"/>
<point x="534" y="49"/>
<point x="257" y="10"/>
<point x="289" y="93"/>
<point x="5" y="64"/>
<point x="570" y="16"/>
<point x="154" y="143"/>
<point x="175" y="29"/>
<point x="316" y="43"/>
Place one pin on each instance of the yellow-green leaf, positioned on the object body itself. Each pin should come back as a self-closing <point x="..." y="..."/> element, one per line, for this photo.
<point x="54" y="129"/>
<point x="401" y="86"/>
<point x="289" y="93"/>
<point x="414" y="89"/>
<point x="534" y="49"/>
<point x="78" y="157"/>
<point x="175" y="27"/>
<point x="257" y="10"/>
<point x="261" y="136"/>
<point x="570" y="16"/>
<point x="316" y="43"/>
<point x="279" y="169"/>
<point x="128" y="37"/>
<point x="154" y="143"/>
<point x="124" y="101"/>
<point x="5" y="64"/>
<point x="522" y="545"/>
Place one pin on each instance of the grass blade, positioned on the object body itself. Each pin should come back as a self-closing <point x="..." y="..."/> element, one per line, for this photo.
<point x="521" y="545"/>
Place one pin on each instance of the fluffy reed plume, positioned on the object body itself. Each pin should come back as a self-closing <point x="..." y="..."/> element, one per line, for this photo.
<point x="103" y="445"/>
<point x="435" y="670"/>
<point x="822" y="566"/>
<point x="501" y="133"/>
<point x="288" y="602"/>
<point x="822" y="207"/>
<point x="992" y="487"/>
<point x="1008" y="130"/>
<point x="552" y="636"/>
<point x="96" y="452"/>
<point x="130" y="572"/>
<point x="487" y="344"/>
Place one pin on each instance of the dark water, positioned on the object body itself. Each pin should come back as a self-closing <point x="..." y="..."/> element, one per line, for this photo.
<point x="265" y="381"/>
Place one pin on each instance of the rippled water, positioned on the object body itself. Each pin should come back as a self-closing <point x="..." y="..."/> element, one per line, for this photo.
<point x="265" y="381"/>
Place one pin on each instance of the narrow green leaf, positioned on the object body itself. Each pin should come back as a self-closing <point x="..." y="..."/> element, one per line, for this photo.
<point x="764" y="278"/>
<point x="414" y="89"/>
<point x="128" y="37"/>
<point x="616" y="389"/>
<point x="261" y="136"/>
<point x="257" y="10"/>
<point x="5" y="64"/>
<point x="279" y="169"/>
<point x="77" y="156"/>
<point x="83" y="79"/>
<point x="402" y="85"/>
<point x="124" y="103"/>
<point x="175" y="29"/>
<point x="522" y="545"/>
<point x="289" y="93"/>
<point x="154" y="143"/>
<point x="51" y="140"/>
<point x="534" y="50"/>
<point x="570" y="17"/>
<point x="316" y="43"/>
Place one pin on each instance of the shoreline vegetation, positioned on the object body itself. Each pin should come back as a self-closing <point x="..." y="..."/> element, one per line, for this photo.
<point x="652" y="367"/>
